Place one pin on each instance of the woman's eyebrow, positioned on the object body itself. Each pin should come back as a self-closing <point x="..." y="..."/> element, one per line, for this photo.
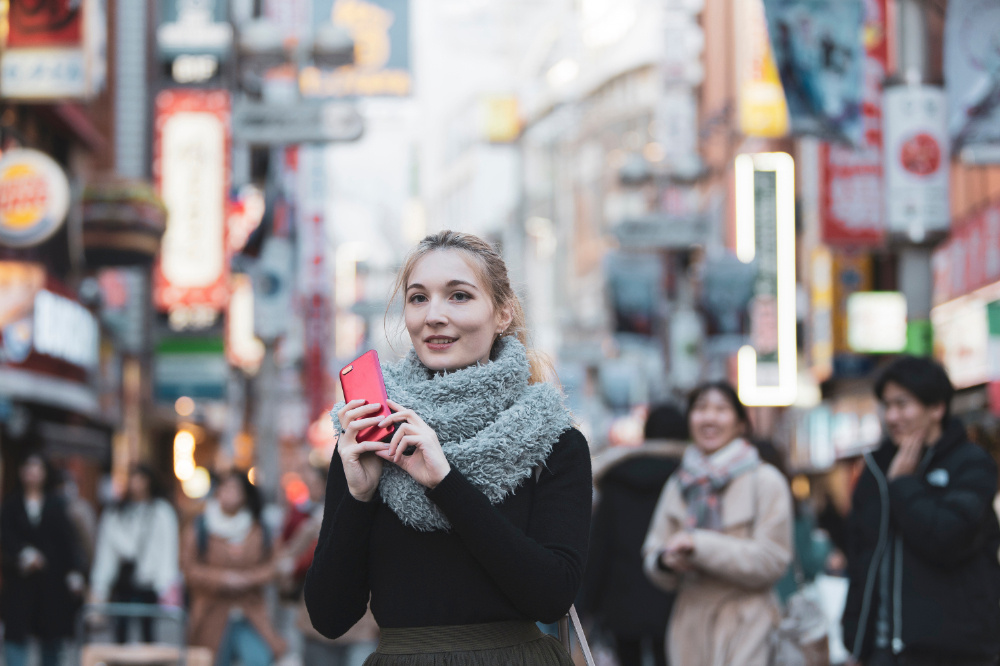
<point x="453" y="283"/>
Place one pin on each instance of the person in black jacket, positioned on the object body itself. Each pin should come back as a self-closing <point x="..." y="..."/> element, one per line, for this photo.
<point x="616" y="592"/>
<point x="471" y="524"/>
<point x="42" y="564"/>
<point x="923" y="538"/>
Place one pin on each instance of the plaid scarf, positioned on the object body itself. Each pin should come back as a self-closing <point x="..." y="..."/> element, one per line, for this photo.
<point x="703" y="478"/>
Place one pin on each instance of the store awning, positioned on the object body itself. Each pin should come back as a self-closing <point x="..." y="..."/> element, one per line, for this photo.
<point x="27" y="386"/>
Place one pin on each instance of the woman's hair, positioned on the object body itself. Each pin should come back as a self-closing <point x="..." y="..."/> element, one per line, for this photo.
<point x="729" y="393"/>
<point x="152" y="480"/>
<point x="251" y="497"/>
<point x="665" y="421"/>
<point x="492" y="272"/>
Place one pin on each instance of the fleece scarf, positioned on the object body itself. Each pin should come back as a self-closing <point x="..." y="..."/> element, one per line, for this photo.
<point x="703" y="478"/>
<point x="493" y="426"/>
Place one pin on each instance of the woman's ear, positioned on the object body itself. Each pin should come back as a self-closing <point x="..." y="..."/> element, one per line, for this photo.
<point x="505" y="317"/>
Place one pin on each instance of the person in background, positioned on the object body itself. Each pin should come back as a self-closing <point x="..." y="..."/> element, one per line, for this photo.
<point x="136" y="556"/>
<point x="721" y="536"/>
<point x="42" y="569"/>
<point x="296" y="556"/>
<point x="81" y="514"/>
<point x="227" y="559"/>
<point x="616" y="593"/>
<point x="922" y="536"/>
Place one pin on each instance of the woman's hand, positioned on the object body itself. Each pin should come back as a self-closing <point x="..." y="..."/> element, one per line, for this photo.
<point x="362" y="467"/>
<point x="678" y="551"/>
<point x="427" y="463"/>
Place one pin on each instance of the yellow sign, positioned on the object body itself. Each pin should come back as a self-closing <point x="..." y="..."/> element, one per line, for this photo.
<point x="503" y="124"/>
<point x="34" y="197"/>
<point x="763" y="111"/>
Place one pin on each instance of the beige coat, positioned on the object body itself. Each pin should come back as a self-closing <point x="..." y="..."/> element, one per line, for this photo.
<point x="725" y="610"/>
<point x="212" y="602"/>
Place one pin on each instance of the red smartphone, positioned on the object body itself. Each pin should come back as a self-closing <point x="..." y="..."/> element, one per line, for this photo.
<point x="362" y="379"/>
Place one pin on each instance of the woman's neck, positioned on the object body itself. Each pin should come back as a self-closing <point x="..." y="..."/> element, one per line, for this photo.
<point x="34" y="494"/>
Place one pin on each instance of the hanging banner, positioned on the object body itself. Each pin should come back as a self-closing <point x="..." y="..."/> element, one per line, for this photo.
<point x="970" y="258"/>
<point x="972" y="76"/>
<point x="381" y="67"/>
<point x="852" y="210"/>
<point x="762" y="108"/>
<point x="191" y="172"/>
<point x="819" y="56"/>
<point x="916" y="161"/>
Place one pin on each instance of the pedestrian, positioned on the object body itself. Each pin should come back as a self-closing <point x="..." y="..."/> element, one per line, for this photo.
<point x="616" y="593"/>
<point x="42" y="569"/>
<point x="722" y="537"/>
<point x="136" y="556"/>
<point x="472" y="523"/>
<point x="227" y="559"/>
<point x="296" y="556"/>
<point x="922" y="534"/>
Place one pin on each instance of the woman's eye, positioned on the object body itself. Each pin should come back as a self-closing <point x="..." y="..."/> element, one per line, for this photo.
<point x="461" y="296"/>
<point x="417" y="298"/>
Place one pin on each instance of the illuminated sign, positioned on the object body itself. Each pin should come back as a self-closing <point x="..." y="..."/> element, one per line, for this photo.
<point x="876" y="322"/>
<point x="765" y="235"/>
<point x="762" y="107"/>
<point x="65" y="330"/>
<point x="192" y="175"/>
<point x="34" y="197"/>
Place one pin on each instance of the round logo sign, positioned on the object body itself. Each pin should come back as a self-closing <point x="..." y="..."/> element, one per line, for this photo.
<point x="920" y="154"/>
<point x="34" y="197"/>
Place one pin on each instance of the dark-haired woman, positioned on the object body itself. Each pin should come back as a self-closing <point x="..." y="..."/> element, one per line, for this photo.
<point x="135" y="560"/>
<point x="41" y="566"/>
<point x="228" y="560"/>
<point x="722" y="537"/>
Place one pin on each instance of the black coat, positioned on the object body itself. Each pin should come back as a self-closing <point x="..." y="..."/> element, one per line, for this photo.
<point x="38" y="604"/>
<point x="616" y="592"/>
<point x="943" y="538"/>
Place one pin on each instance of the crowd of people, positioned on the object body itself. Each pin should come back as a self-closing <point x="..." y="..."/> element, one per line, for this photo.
<point x="483" y="518"/>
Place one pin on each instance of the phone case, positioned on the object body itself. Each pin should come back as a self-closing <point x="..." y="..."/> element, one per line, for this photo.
<point x="362" y="379"/>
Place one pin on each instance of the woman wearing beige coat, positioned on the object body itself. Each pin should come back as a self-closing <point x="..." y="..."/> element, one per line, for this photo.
<point x="721" y="537"/>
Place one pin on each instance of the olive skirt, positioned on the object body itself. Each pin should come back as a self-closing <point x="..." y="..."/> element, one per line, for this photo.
<point x="492" y="644"/>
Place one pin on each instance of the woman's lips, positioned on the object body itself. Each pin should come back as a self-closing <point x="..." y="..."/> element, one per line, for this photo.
<point x="439" y="344"/>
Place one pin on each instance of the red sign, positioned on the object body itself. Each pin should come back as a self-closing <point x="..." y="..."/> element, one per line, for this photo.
<point x="920" y="154"/>
<point x="45" y="23"/>
<point x="852" y="210"/>
<point x="970" y="258"/>
<point x="191" y="153"/>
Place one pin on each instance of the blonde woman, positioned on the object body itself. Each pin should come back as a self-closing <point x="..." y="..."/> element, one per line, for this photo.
<point x="472" y="523"/>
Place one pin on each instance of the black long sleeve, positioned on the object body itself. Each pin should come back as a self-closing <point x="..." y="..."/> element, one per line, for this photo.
<point x="521" y="559"/>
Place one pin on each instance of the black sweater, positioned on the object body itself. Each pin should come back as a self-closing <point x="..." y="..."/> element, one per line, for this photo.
<point x="521" y="559"/>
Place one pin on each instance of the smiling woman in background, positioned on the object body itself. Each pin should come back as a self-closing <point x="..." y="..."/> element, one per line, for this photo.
<point x="722" y="537"/>
<point x="478" y="531"/>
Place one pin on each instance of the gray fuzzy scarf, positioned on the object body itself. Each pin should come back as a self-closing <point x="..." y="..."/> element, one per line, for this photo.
<point x="494" y="427"/>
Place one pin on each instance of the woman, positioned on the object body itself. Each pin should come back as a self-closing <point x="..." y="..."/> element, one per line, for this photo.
<point x="471" y="524"/>
<point x="136" y="556"/>
<point x="721" y="536"/>
<point x="227" y="560"/>
<point x="41" y="566"/>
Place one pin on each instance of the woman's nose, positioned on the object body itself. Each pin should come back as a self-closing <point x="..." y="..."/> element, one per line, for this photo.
<point x="435" y="313"/>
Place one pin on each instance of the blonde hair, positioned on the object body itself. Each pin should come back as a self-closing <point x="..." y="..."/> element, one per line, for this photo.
<point x="492" y="272"/>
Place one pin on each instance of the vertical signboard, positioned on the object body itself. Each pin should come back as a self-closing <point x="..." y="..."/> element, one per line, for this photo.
<point x="916" y="161"/>
<point x="971" y="71"/>
<point x="852" y="209"/>
<point x="191" y="170"/>
<point x="762" y="108"/>
<point x="314" y="275"/>
<point x="970" y="258"/>
<point x="765" y="235"/>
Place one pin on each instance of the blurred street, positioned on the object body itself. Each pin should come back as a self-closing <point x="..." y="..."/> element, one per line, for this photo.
<point x="204" y="205"/>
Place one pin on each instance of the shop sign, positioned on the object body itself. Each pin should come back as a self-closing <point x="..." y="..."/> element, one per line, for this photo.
<point x="259" y="123"/>
<point x="765" y="235"/>
<point x="381" y="33"/>
<point x="763" y="111"/>
<point x="189" y="27"/>
<point x="876" y="322"/>
<point x="19" y="283"/>
<point x="961" y="340"/>
<point x="65" y="330"/>
<point x="821" y="313"/>
<point x="124" y="298"/>
<point x="852" y="210"/>
<point x="34" y="197"/>
<point x="191" y="171"/>
<point x="971" y="70"/>
<point x="54" y="49"/>
<point x="970" y="258"/>
<point x="852" y="273"/>
<point x="916" y="154"/>
<point x="192" y="367"/>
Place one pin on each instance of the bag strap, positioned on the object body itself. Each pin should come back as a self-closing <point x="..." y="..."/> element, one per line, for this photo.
<point x="578" y="631"/>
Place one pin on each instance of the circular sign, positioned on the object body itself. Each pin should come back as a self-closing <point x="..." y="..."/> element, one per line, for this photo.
<point x="920" y="154"/>
<point x="34" y="197"/>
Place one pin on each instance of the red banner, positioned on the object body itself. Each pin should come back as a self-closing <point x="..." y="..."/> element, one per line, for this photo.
<point x="191" y="153"/>
<point x="970" y="258"/>
<point x="852" y="206"/>
<point x="36" y="23"/>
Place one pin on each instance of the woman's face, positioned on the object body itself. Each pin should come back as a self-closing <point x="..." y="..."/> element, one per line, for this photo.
<point x="449" y="313"/>
<point x="33" y="473"/>
<point x="230" y="496"/>
<point x="138" y="487"/>
<point x="713" y="421"/>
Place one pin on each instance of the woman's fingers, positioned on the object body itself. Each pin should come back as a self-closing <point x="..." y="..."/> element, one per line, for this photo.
<point x="407" y="414"/>
<point x="358" y="425"/>
<point x="361" y="410"/>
